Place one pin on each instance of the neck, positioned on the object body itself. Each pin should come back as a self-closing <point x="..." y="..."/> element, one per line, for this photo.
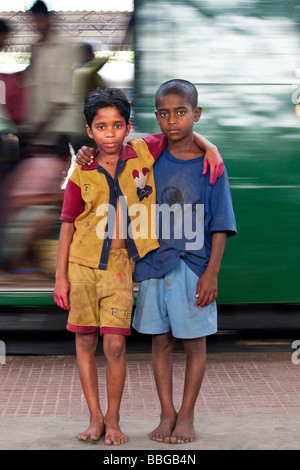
<point x="184" y="148"/>
<point x="107" y="159"/>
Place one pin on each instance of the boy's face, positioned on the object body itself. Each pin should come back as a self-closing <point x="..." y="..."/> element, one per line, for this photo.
<point x="108" y="130"/>
<point x="176" y="117"/>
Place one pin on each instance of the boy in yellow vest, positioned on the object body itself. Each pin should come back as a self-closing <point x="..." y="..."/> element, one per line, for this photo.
<point x="93" y="267"/>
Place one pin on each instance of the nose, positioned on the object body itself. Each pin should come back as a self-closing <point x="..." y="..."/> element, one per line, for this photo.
<point x="172" y="118"/>
<point x="110" y="131"/>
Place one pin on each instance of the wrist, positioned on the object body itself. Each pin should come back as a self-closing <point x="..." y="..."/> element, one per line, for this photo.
<point x="212" y="270"/>
<point x="60" y="276"/>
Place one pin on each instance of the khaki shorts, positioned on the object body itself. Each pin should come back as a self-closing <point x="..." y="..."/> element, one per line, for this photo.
<point x="101" y="299"/>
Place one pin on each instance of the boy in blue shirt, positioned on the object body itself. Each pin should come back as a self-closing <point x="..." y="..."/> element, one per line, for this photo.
<point x="178" y="281"/>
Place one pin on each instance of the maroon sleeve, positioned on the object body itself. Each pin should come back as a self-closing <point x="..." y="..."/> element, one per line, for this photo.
<point x="73" y="203"/>
<point x="156" y="144"/>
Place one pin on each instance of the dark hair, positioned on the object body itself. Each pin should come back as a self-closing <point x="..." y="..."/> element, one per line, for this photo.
<point x="39" y="7"/>
<point x="4" y="28"/>
<point x="178" y="87"/>
<point x="111" y="97"/>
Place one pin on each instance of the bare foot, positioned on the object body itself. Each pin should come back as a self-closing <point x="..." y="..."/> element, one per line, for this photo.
<point x="113" y="433"/>
<point x="94" y="431"/>
<point x="164" y="430"/>
<point x="183" y="432"/>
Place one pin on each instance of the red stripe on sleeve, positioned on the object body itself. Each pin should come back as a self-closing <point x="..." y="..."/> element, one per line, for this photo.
<point x="73" y="204"/>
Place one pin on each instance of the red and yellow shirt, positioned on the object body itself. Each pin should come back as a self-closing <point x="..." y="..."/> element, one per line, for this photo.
<point x="90" y="202"/>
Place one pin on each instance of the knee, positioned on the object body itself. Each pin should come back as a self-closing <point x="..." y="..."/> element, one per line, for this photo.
<point x="87" y="343"/>
<point x="195" y="346"/>
<point x="163" y="343"/>
<point x="114" y="349"/>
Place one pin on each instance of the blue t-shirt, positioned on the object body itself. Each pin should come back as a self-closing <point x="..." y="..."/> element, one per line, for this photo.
<point x="189" y="210"/>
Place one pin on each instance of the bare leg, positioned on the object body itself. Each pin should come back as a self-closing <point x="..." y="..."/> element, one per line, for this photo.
<point x="162" y="347"/>
<point x="195" y="368"/>
<point x="85" y="349"/>
<point x="114" y="349"/>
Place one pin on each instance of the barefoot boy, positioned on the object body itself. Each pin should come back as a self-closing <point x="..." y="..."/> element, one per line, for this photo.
<point x="182" y="267"/>
<point x="93" y="276"/>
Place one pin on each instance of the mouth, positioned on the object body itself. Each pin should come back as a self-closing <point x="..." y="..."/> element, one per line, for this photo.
<point x="110" y="144"/>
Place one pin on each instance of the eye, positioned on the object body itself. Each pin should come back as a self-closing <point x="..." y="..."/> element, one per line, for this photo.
<point x="118" y="126"/>
<point x="100" y="127"/>
<point x="181" y="113"/>
<point x="163" y="114"/>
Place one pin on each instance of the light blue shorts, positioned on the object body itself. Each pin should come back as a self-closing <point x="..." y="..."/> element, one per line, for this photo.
<point x="167" y="304"/>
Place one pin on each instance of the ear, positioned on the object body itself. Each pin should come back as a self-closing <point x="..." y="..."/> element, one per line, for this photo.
<point x="197" y="113"/>
<point x="89" y="132"/>
<point x="128" y="128"/>
<point x="157" y="115"/>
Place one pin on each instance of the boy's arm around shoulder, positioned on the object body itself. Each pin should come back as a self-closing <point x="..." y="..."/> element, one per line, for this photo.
<point x="85" y="155"/>
<point x="207" y="285"/>
<point x="62" y="285"/>
<point x="212" y="158"/>
<point x="153" y="144"/>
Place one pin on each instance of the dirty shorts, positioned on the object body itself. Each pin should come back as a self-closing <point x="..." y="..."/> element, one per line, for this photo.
<point x="167" y="304"/>
<point x="101" y="299"/>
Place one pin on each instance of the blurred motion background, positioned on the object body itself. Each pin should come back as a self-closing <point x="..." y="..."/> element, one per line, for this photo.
<point x="52" y="54"/>
<point x="243" y="56"/>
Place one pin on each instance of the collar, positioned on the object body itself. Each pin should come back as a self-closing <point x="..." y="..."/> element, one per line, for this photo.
<point x="126" y="153"/>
